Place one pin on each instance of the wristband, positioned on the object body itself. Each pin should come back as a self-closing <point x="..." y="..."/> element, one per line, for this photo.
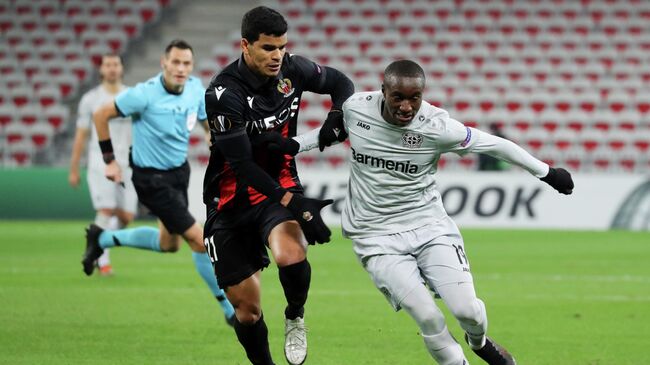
<point x="106" y="147"/>
<point x="108" y="157"/>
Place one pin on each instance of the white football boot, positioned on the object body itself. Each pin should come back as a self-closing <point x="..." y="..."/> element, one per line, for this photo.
<point x="295" y="341"/>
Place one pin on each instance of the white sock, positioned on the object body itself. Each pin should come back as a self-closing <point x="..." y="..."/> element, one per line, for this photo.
<point x="104" y="222"/>
<point x="441" y="345"/>
<point x="115" y="223"/>
<point x="468" y="309"/>
<point x="104" y="259"/>
<point x="476" y="333"/>
<point x="444" y="349"/>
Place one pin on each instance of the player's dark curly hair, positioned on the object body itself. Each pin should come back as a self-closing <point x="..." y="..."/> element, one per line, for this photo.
<point x="262" y="20"/>
<point x="404" y="68"/>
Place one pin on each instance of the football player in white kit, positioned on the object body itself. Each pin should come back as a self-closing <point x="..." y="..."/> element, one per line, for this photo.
<point x="115" y="205"/>
<point x="395" y="216"/>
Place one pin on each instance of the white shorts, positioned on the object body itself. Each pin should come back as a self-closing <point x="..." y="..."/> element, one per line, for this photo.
<point x="106" y="194"/>
<point x="412" y="258"/>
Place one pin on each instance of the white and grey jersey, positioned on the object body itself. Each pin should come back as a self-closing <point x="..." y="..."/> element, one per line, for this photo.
<point x="120" y="128"/>
<point x="392" y="187"/>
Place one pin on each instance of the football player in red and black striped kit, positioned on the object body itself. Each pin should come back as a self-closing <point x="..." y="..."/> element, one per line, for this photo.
<point x="252" y="191"/>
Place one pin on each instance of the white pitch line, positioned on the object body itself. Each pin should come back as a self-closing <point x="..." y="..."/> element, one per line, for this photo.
<point x="589" y="298"/>
<point x="562" y="277"/>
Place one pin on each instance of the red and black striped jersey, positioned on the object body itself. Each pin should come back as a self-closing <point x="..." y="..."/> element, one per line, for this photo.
<point x="237" y="101"/>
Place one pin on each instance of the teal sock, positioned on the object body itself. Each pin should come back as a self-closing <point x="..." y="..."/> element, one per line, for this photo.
<point x="146" y="238"/>
<point x="205" y="269"/>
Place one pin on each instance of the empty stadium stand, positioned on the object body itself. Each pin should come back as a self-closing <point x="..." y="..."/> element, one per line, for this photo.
<point x="47" y="52"/>
<point x="567" y="79"/>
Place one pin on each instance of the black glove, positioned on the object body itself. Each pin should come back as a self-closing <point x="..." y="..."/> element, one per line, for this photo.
<point x="277" y="143"/>
<point x="307" y="213"/>
<point x="332" y="130"/>
<point x="559" y="179"/>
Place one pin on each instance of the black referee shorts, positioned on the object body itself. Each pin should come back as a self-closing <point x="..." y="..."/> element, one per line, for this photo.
<point x="238" y="241"/>
<point x="164" y="193"/>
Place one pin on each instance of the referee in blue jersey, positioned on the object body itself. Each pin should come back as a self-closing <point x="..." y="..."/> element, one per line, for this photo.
<point x="164" y="109"/>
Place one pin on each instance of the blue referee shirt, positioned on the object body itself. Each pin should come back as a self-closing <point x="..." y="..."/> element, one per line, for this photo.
<point x="162" y="120"/>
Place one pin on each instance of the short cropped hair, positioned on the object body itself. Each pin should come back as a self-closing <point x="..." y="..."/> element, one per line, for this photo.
<point x="262" y="20"/>
<point x="110" y="55"/>
<point x="178" y="43"/>
<point x="404" y="68"/>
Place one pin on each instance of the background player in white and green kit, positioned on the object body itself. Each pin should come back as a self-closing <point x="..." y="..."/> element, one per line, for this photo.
<point x="115" y="205"/>
<point x="395" y="216"/>
<point x="164" y="110"/>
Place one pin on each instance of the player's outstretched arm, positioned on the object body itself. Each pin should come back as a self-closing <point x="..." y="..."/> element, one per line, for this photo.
<point x="560" y="179"/>
<point x="501" y="148"/>
<point x="327" y="80"/>
<point x="276" y="142"/>
<point x="332" y="131"/>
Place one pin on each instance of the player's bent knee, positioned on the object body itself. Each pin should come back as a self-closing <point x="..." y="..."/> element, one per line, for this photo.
<point x="468" y="312"/>
<point x="248" y="314"/>
<point x="169" y="247"/>
<point x="196" y="246"/>
<point x="170" y="243"/>
<point x="289" y="257"/>
<point x="431" y="320"/>
<point x="194" y="238"/>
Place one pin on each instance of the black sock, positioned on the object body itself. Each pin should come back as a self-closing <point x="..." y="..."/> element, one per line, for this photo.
<point x="295" y="281"/>
<point x="255" y="339"/>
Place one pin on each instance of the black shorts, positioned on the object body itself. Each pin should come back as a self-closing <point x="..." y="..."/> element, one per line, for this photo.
<point x="239" y="240"/>
<point x="164" y="193"/>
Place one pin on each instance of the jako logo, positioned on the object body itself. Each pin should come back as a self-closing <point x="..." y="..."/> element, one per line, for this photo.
<point x="363" y="125"/>
<point x="400" y="166"/>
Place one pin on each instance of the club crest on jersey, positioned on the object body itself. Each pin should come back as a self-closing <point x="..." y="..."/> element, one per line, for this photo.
<point x="411" y="140"/>
<point x="284" y="86"/>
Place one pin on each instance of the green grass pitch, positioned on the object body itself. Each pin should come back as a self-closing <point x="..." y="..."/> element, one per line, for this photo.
<point x="579" y="298"/>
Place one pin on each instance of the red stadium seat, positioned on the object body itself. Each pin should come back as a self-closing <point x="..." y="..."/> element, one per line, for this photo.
<point x="535" y="140"/>
<point x="523" y="119"/>
<point x="148" y="10"/>
<point x="618" y="102"/>
<point x="576" y="120"/>
<point x="641" y="141"/>
<point x="21" y="96"/>
<point x="15" y="133"/>
<point x="590" y="140"/>
<point x="550" y="120"/>
<point x="20" y="154"/>
<point x="564" y="139"/>
<point x="48" y="96"/>
<point x="41" y="135"/>
<point x="116" y="39"/>
<point x="131" y="24"/>
<point x="588" y="102"/>
<point x="514" y="101"/>
<point x="56" y="115"/>
<point x="6" y="22"/>
<point x="7" y="115"/>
